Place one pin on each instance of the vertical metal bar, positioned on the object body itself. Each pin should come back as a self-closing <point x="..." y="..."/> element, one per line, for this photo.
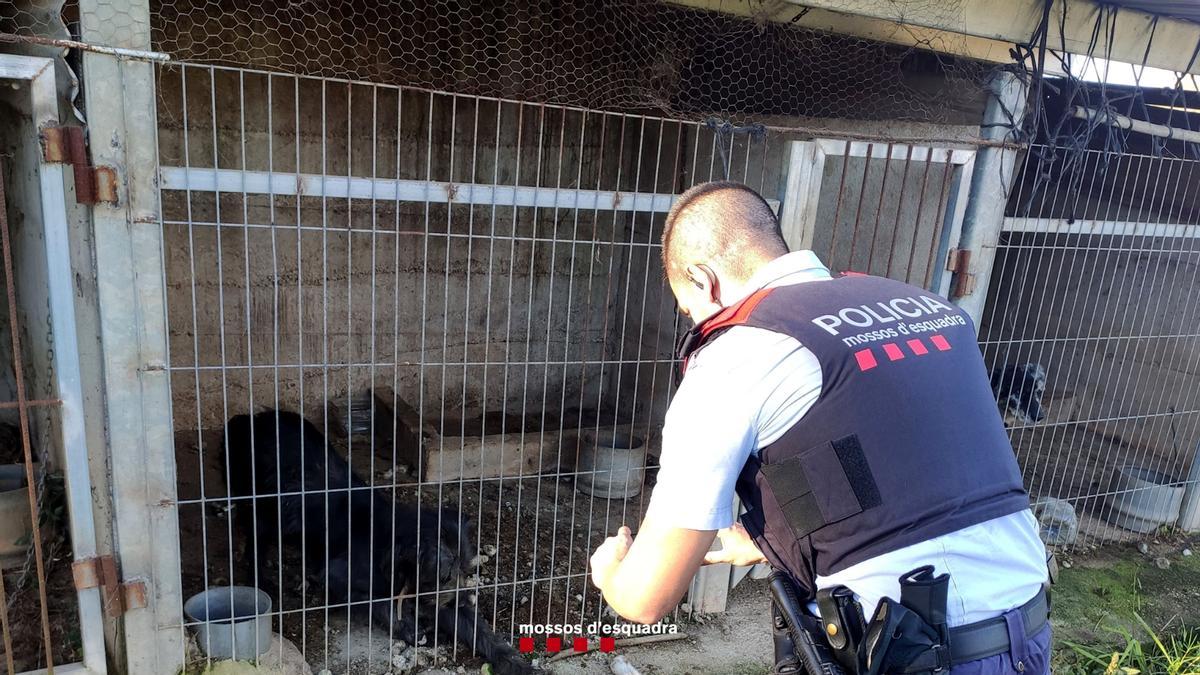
<point x="939" y="223"/>
<point x="300" y="361"/>
<point x="462" y="448"/>
<point x="371" y="371"/>
<point x="862" y="192"/>
<point x="912" y="248"/>
<point x="604" y="339"/>
<point x="583" y="371"/>
<point x="512" y="247"/>
<point x="424" y="356"/>
<point x="487" y="339"/>
<point x="663" y="292"/>
<point x="899" y="209"/>
<point x="220" y="225"/>
<point x="562" y="405"/>
<point x="641" y="143"/>
<point x="325" y="358"/>
<point x="20" y="382"/>
<point x="562" y="138"/>
<point x="349" y="355"/>
<point x="249" y="349"/>
<point x="195" y="339"/>
<point x="393" y="609"/>
<point x="837" y="212"/>
<point x="637" y="370"/>
<point x="887" y="160"/>
<point x="525" y="379"/>
<point x="445" y="347"/>
<point x="275" y="341"/>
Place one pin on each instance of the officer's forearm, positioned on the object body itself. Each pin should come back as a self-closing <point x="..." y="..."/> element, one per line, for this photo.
<point x="652" y="578"/>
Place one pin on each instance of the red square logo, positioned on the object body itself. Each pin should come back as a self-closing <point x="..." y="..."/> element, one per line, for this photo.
<point x="940" y="342"/>
<point x="525" y="645"/>
<point x="866" y="360"/>
<point x="893" y="351"/>
<point x="581" y="644"/>
<point x="553" y="645"/>
<point x="607" y="644"/>
<point x="918" y="347"/>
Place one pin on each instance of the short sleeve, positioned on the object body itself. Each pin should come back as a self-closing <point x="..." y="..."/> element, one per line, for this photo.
<point x="743" y="391"/>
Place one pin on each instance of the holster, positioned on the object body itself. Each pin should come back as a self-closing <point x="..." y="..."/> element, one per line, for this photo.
<point x="844" y="625"/>
<point x="910" y="636"/>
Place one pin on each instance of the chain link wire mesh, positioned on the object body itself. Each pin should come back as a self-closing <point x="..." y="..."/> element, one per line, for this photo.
<point x="610" y="55"/>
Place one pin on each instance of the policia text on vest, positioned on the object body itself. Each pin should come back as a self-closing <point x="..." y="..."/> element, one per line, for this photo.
<point x="872" y="322"/>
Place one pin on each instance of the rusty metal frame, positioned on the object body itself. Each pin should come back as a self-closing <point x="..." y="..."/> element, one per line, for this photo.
<point x="799" y="214"/>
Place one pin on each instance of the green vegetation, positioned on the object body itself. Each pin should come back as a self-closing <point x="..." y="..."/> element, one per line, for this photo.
<point x="1120" y="613"/>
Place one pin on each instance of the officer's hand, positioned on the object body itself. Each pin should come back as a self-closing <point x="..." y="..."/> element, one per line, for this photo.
<point x="610" y="554"/>
<point x="737" y="548"/>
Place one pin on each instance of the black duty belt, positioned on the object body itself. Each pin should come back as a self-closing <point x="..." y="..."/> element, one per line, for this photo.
<point x="989" y="637"/>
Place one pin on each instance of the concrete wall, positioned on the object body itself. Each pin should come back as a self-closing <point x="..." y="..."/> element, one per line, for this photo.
<point x="1114" y="322"/>
<point x="547" y="298"/>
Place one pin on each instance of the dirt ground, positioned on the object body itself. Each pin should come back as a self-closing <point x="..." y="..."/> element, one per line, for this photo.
<point x="23" y="609"/>
<point x="536" y="532"/>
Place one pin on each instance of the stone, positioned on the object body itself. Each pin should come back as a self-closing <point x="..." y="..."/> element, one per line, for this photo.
<point x="1162" y="563"/>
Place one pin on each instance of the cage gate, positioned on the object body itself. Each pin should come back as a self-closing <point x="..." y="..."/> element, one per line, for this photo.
<point x="458" y="293"/>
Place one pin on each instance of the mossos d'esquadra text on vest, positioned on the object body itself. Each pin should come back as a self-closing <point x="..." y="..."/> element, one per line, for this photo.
<point x="889" y="319"/>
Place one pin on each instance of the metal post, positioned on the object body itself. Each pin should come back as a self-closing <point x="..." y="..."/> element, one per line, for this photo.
<point x="129" y="279"/>
<point x="993" y="176"/>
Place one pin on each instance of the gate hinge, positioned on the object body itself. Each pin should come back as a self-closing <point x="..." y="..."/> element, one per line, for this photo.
<point x="959" y="262"/>
<point x="93" y="184"/>
<point x="101" y="572"/>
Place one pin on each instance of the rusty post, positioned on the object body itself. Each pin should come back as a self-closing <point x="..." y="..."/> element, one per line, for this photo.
<point x="85" y="186"/>
<point x="23" y="416"/>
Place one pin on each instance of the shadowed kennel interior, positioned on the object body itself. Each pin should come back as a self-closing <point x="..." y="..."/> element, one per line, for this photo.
<point x="492" y="265"/>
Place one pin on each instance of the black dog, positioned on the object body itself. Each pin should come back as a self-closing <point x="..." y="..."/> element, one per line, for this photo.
<point x="319" y="507"/>
<point x="1018" y="391"/>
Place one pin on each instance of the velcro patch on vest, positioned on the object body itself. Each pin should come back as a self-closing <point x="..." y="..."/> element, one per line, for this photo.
<point x="823" y="485"/>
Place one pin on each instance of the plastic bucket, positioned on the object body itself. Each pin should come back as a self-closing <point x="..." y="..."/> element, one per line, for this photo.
<point x="233" y="622"/>
<point x="1144" y="499"/>
<point x="612" y="466"/>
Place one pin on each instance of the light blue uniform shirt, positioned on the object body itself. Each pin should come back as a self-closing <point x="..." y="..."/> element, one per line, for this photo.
<point x="744" y="391"/>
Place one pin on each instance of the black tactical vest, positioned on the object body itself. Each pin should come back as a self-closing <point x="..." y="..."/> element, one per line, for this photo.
<point x="903" y="444"/>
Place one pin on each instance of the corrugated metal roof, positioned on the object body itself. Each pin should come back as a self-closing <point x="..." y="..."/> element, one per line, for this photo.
<point x="1178" y="9"/>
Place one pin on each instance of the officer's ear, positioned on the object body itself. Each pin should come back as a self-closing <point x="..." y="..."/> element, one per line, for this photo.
<point x="703" y="278"/>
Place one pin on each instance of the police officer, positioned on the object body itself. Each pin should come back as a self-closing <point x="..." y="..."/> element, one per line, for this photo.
<point x="854" y="418"/>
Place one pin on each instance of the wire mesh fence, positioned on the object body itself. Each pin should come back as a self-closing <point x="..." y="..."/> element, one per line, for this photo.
<point x="1096" y="286"/>
<point x="460" y="296"/>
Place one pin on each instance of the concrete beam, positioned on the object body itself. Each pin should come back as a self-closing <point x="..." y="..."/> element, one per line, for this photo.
<point x="1016" y="20"/>
<point x="977" y="29"/>
<point x="841" y="23"/>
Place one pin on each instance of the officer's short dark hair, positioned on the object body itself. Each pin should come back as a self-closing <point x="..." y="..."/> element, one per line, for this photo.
<point x="721" y="221"/>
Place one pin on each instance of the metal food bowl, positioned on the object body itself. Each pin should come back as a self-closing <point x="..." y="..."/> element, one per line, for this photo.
<point x="232" y="622"/>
